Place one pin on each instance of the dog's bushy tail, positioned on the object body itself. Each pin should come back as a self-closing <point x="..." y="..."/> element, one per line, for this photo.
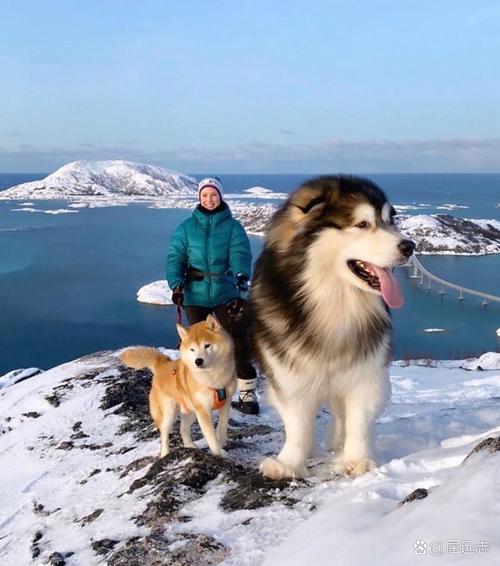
<point x="142" y="357"/>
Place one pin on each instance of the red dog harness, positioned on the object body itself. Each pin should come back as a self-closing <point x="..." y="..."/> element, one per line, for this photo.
<point x="219" y="397"/>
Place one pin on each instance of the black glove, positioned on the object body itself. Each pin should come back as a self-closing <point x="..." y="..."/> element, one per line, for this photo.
<point x="242" y="282"/>
<point x="178" y="296"/>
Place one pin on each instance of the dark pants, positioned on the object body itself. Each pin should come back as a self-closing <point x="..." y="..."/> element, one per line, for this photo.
<point x="236" y="326"/>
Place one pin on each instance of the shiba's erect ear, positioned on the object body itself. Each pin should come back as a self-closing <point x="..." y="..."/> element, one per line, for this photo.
<point x="212" y="323"/>
<point x="181" y="331"/>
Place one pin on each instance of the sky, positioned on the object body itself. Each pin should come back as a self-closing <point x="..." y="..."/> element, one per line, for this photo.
<point x="324" y="86"/>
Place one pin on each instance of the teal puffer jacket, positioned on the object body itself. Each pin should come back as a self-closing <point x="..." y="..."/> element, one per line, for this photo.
<point x="212" y="243"/>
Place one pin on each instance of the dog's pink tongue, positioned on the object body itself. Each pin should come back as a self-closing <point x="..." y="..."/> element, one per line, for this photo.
<point x="389" y="287"/>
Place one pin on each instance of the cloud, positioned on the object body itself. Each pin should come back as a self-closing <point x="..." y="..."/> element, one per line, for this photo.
<point x="332" y="155"/>
<point x="257" y="145"/>
<point x="286" y="132"/>
<point x="13" y="134"/>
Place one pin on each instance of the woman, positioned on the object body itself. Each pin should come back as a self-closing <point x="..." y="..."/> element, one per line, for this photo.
<point x="208" y="266"/>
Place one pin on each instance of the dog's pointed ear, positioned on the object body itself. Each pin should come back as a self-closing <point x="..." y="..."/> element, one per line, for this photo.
<point x="181" y="331"/>
<point x="314" y="206"/>
<point x="212" y="323"/>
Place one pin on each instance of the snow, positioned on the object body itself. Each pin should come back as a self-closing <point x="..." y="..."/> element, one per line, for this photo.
<point x="489" y="360"/>
<point x="405" y="207"/>
<point x="155" y="293"/>
<point x="258" y="193"/>
<point x="455" y="522"/>
<point x="444" y="234"/>
<point x="56" y="211"/>
<point x="436" y="416"/>
<point x="105" y="179"/>
<point x="17" y="375"/>
<point x="449" y="206"/>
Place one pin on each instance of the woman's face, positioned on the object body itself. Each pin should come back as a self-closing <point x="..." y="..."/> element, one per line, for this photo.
<point x="209" y="198"/>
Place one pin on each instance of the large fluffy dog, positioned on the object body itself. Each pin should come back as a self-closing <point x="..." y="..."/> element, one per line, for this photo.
<point x="321" y="325"/>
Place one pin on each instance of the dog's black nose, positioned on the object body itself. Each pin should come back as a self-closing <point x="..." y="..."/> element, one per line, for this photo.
<point x="199" y="362"/>
<point x="406" y="247"/>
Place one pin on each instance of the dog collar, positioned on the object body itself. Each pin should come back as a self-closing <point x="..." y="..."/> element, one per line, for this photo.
<point x="219" y="398"/>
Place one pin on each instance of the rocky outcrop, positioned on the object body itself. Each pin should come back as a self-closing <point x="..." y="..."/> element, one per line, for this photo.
<point x="446" y="234"/>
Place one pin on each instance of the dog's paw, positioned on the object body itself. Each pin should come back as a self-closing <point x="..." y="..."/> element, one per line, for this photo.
<point x="221" y="439"/>
<point x="218" y="451"/>
<point x="275" y="469"/>
<point x="336" y="447"/>
<point x="353" y="468"/>
<point x="189" y="444"/>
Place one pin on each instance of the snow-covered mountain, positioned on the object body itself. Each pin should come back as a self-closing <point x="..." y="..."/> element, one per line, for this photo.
<point x="445" y="234"/>
<point x="105" y="179"/>
<point x="82" y="483"/>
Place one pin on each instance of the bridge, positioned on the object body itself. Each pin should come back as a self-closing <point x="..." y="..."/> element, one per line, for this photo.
<point x="444" y="287"/>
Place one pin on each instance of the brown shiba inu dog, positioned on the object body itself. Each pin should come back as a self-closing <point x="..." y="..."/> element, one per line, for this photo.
<point x="202" y="379"/>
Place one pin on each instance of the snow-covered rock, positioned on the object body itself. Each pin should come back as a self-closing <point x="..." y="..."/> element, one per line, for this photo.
<point x="259" y="193"/>
<point x="445" y="234"/>
<point x="53" y="211"/>
<point x="82" y="482"/>
<point x="489" y="360"/>
<point x="155" y="293"/>
<point x="105" y="179"/>
<point x="17" y="375"/>
<point x="253" y="216"/>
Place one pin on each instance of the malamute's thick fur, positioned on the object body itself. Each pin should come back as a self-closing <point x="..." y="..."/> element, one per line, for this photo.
<point x="321" y="326"/>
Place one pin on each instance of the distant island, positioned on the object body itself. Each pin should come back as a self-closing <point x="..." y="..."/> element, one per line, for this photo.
<point x="446" y="234"/>
<point x="114" y="178"/>
<point x="88" y="184"/>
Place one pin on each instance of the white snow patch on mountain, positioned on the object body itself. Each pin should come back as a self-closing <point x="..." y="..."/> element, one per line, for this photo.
<point x="444" y="234"/>
<point x="17" y="375"/>
<point x="105" y="179"/>
<point x="489" y="360"/>
<point x="258" y="193"/>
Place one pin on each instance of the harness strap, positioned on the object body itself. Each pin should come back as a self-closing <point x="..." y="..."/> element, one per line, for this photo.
<point x="198" y="275"/>
<point x="219" y="397"/>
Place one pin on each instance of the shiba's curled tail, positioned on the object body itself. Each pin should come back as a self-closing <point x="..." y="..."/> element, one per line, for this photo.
<point x="138" y="358"/>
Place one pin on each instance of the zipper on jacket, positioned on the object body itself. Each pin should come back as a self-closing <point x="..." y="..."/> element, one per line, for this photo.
<point x="209" y="234"/>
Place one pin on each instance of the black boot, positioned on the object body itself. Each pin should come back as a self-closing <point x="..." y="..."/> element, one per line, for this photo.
<point x="247" y="402"/>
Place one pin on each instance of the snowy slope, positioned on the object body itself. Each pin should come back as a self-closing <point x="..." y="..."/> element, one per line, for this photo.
<point x="445" y="234"/>
<point x="105" y="179"/>
<point x="81" y="482"/>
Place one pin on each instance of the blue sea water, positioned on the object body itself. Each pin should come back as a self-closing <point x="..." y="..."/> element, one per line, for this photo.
<point x="68" y="282"/>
